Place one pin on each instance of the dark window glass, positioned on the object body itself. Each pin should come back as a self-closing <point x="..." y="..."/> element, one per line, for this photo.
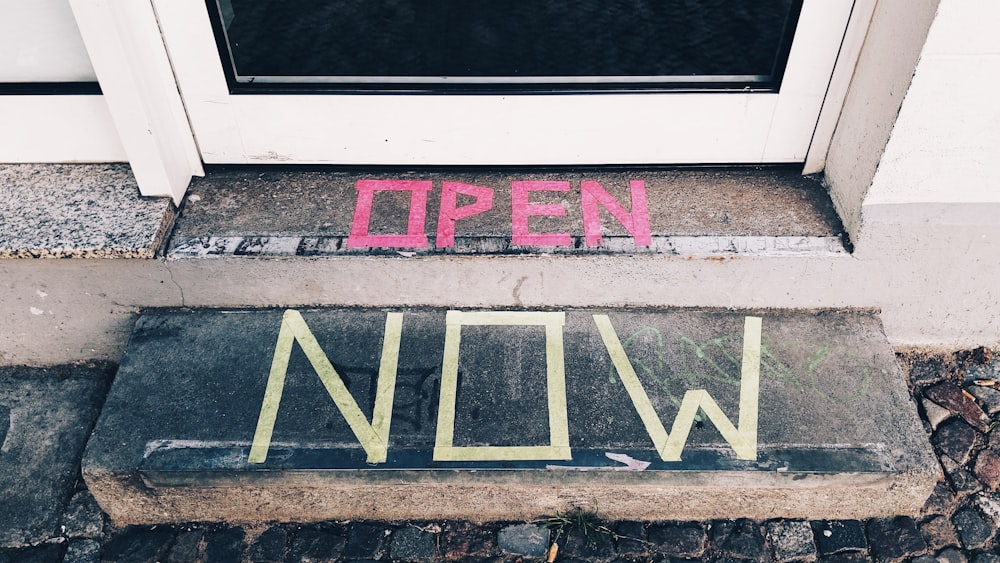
<point x="663" y="43"/>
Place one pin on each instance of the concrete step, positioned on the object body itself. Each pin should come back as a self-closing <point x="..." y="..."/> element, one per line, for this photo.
<point x="301" y="237"/>
<point x="46" y="415"/>
<point x="299" y="415"/>
<point x="252" y="212"/>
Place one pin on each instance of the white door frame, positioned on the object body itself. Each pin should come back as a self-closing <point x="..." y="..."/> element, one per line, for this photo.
<point x="605" y="128"/>
<point x="128" y="56"/>
<point x="144" y="51"/>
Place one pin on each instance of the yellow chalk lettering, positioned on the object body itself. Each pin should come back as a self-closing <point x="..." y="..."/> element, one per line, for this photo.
<point x="742" y="437"/>
<point x="374" y="437"/>
<point x="558" y="447"/>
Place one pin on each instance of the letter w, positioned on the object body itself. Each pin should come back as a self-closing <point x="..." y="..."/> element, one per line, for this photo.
<point x="374" y="437"/>
<point x="743" y="438"/>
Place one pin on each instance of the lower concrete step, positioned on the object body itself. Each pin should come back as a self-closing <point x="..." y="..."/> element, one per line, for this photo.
<point x="300" y="415"/>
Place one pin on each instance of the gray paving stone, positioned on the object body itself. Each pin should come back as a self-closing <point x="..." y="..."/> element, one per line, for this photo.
<point x="45" y="553"/>
<point x="955" y="439"/>
<point x="139" y="545"/>
<point x="986" y="557"/>
<point x="678" y="539"/>
<point x="224" y="546"/>
<point x="630" y="537"/>
<point x="187" y="547"/>
<point x="895" y="538"/>
<point x="83" y="517"/>
<point x="741" y="538"/>
<point x="409" y="544"/>
<point x="989" y="504"/>
<point x="952" y="397"/>
<point x="83" y="551"/>
<point x="524" y="539"/>
<point x="941" y="501"/>
<point x="364" y="540"/>
<point x="924" y="370"/>
<point x="987" y="469"/>
<point x="198" y="467"/>
<point x="465" y="540"/>
<point x="935" y="413"/>
<point x="988" y="371"/>
<point x="924" y="559"/>
<point x="951" y="555"/>
<point x="987" y="397"/>
<point x="963" y="481"/>
<point x="839" y="536"/>
<point x="973" y="529"/>
<point x="791" y="541"/>
<point x="588" y="545"/>
<point x="269" y="547"/>
<point x="316" y="545"/>
<point x="47" y="414"/>
<point x="846" y="557"/>
<point x="939" y="532"/>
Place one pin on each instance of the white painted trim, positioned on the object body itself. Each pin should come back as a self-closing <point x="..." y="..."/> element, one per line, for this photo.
<point x="811" y="62"/>
<point x="123" y="40"/>
<point x="843" y="72"/>
<point x="39" y="42"/>
<point x="493" y="130"/>
<point x="58" y="129"/>
<point x="944" y="143"/>
<point x="687" y="128"/>
<point x="880" y="80"/>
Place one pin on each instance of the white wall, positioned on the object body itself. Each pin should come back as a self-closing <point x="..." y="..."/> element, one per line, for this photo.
<point x="925" y="211"/>
<point x="892" y="47"/>
<point x="945" y="146"/>
<point x="39" y="42"/>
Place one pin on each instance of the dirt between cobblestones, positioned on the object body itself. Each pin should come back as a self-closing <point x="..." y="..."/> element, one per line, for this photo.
<point x="958" y="395"/>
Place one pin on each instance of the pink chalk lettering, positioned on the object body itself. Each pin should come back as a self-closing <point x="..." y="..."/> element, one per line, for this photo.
<point x="636" y="223"/>
<point x="450" y="212"/>
<point x="415" y="236"/>
<point x="521" y="209"/>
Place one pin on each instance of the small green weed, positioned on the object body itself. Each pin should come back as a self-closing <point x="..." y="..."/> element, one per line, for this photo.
<point x="586" y="523"/>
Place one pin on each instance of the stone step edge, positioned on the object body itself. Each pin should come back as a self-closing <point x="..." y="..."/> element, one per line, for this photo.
<point x="682" y="245"/>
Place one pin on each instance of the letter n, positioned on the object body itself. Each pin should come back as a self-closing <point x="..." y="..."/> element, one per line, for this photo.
<point x="742" y="437"/>
<point x="635" y="222"/>
<point x="374" y="437"/>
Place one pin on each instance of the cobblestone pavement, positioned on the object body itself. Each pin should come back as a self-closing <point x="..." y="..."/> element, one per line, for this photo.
<point x="958" y="397"/>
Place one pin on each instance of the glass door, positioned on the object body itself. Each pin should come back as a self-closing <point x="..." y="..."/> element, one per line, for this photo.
<point x="503" y="82"/>
<point x="489" y="45"/>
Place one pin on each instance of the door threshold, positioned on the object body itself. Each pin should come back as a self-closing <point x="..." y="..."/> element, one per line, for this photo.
<point x="261" y="211"/>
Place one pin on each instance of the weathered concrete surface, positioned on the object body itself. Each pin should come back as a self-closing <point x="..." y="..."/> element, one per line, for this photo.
<point x="838" y="433"/>
<point x="45" y="418"/>
<point x="89" y="305"/>
<point x="59" y="311"/>
<point x="239" y="211"/>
